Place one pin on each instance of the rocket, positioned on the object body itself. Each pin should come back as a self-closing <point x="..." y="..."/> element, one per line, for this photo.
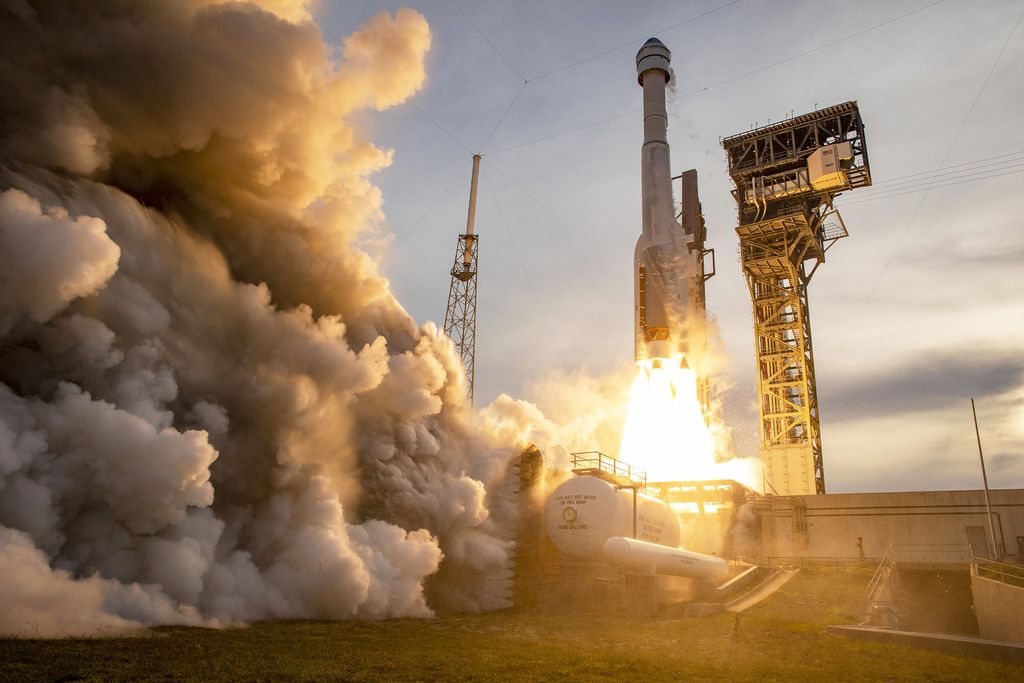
<point x="666" y="259"/>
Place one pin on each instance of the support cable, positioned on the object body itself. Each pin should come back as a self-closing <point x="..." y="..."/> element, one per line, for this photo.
<point x="493" y="47"/>
<point x="901" y="191"/>
<point x="430" y="208"/>
<point x="731" y="79"/>
<point x="441" y="128"/>
<point x="519" y="258"/>
<point x="814" y="49"/>
<point x="634" y="42"/>
<point x="924" y="196"/>
<point x="554" y="213"/>
<point x="976" y="162"/>
<point x="502" y="119"/>
<point x="631" y="112"/>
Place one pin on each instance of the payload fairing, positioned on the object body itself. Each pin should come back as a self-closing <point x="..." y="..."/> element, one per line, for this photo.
<point x="667" y="257"/>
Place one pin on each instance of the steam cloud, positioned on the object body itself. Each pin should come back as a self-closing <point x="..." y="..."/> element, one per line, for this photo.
<point x="212" y="408"/>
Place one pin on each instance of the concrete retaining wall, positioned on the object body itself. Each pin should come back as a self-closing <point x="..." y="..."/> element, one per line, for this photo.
<point x="861" y="526"/>
<point x="999" y="608"/>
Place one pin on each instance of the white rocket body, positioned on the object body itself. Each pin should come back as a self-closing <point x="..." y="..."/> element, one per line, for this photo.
<point x="663" y="266"/>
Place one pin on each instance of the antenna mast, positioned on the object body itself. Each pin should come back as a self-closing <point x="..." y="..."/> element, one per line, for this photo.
<point x="460" y="316"/>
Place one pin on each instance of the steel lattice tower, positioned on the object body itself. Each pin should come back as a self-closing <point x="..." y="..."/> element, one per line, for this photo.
<point x="460" y="316"/>
<point x="786" y="176"/>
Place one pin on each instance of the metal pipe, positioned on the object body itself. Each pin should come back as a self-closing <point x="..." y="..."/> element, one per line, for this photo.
<point x="984" y="479"/>
<point x="642" y="557"/>
<point x="634" y="512"/>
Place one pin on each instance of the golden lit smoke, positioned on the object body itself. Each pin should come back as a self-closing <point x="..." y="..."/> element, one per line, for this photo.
<point x="213" y="410"/>
<point x="666" y="434"/>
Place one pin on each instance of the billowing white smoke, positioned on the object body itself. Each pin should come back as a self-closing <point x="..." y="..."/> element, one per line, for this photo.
<point x="212" y="409"/>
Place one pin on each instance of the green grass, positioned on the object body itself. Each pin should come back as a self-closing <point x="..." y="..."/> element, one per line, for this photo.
<point x="784" y="638"/>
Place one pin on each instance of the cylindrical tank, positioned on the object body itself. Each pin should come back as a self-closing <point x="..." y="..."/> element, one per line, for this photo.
<point x="585" y="511"/>
<point x="651" y="558"/>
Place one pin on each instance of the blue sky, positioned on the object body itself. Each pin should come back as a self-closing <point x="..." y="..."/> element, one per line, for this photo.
<point x="920" y="309"/>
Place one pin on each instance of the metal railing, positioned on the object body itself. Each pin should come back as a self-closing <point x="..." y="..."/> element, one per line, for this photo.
<point x="932" y="553"/>
<point x="882" y="572"/>
<point x="596" y="461"/>
<point x="997" y="571"/>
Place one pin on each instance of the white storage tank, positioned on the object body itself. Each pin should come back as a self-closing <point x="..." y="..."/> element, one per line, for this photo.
<point x="585" y="511"/>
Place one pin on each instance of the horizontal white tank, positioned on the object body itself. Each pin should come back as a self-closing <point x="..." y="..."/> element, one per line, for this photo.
<point x="651" y="558"/>
<point x="585" y="511"/>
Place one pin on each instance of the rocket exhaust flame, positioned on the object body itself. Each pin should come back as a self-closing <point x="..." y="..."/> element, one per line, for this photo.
<point x="668" y="435"/>
<point x="665" y="433"/>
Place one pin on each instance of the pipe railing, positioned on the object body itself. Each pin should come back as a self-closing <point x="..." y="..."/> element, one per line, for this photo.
<point x="997" y="571"/>
<point x="596" y="461"/>
<point x="880" y="573"/>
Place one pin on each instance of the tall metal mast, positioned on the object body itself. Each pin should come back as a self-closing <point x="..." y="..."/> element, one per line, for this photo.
<point x="460" y="317"/>
<point x="787" y="175"/>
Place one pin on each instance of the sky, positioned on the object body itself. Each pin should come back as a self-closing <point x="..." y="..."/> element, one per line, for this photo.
<point x="918" y="311"/>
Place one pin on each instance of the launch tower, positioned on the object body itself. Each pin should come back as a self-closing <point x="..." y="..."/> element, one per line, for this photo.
<point x="787" y="175"/>
<point x="460" y="316"/>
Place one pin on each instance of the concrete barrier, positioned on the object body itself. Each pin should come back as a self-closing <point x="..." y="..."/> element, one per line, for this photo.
<point x="964" y="646"/>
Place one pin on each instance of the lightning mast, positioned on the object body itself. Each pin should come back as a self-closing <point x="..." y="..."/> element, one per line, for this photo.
<point x="460" y="316"/>
<point x="787" y="175"/>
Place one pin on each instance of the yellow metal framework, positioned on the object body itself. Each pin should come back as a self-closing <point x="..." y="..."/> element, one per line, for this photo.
<point x="785" y="227"/>
<point x="773" y="253"/>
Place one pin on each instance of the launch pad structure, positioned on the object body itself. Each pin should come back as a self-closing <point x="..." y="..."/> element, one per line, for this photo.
<point x="460" y="315"/>
<point x="787" y="175"/>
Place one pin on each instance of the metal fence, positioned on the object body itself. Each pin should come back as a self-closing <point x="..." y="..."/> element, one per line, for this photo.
<point x="596" y="461"/>
<point x="998" y="571"/>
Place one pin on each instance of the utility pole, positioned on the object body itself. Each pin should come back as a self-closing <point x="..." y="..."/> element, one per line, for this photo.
<point x="984" y="479"/>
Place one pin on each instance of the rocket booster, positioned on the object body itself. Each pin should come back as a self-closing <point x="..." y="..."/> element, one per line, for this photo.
<point x="663" y="265"/>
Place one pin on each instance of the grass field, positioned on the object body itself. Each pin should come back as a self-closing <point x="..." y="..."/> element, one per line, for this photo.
<point x="783" y="638"/>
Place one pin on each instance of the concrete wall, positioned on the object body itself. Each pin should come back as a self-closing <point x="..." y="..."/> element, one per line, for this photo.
<point x="999" y="608"/>
<point x="863" y="525"/>
<point x="934" y="601"/>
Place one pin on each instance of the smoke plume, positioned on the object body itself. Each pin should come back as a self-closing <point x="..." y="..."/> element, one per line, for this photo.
<point x="212" y="408"/>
